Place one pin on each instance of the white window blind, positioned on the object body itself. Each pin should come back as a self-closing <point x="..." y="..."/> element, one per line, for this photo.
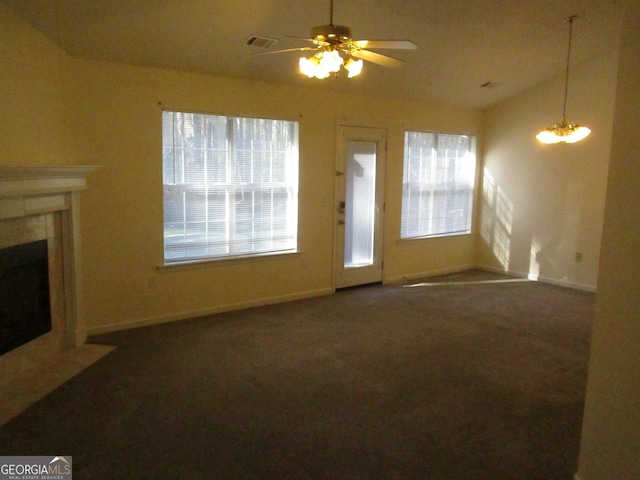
<point x="438" y="182"/>
<point x="230" y="186"/>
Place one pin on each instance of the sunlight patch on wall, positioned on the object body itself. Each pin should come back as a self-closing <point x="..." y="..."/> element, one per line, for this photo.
<point x="504" y="220"/>
<point x="497" y="220"/>
<point x="488" y="189"/>
<point x="504" y="211"/>
<point x="534" y="265"/>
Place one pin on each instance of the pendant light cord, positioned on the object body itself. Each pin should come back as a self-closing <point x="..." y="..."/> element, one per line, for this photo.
<point x="566" y="77"/>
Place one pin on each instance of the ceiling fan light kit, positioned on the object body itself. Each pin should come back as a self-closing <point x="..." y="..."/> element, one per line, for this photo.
<point x="565" y="131"/>
<point x="334" y="49"/>
<point x="324" y="63"/>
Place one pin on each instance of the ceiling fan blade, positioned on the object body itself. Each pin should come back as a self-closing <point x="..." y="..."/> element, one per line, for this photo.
<point x="396" y="44"/>
<point x="378" y="58"/>
<point x="299" y="49"/>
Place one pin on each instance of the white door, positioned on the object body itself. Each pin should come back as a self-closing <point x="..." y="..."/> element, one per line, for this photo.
<point x="360" y="205"/>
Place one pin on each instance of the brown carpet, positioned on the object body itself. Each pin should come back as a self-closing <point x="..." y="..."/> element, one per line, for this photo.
<point x="448" y="381"/>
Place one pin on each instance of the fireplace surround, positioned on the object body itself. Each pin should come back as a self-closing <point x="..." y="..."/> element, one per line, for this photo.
<point x="42" y="203"/>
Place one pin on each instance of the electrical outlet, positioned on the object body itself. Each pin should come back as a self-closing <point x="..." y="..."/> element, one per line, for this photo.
<point x="578" y="256"/>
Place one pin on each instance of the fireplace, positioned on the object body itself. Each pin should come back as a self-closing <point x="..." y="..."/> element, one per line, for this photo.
<point x="40" y="239"/>
<point x="25" y="310"/>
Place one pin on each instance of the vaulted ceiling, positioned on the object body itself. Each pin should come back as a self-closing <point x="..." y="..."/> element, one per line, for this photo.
<point x="506" y="45"/>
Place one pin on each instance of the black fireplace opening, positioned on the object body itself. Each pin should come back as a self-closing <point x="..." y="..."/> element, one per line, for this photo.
<point x="25" y="309"/>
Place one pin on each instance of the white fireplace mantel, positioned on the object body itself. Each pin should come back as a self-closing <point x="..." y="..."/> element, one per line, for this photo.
<point x="28" y="191"/>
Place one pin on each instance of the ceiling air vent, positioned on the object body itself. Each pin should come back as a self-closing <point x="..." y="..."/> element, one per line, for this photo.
<point x="260" y="42"/>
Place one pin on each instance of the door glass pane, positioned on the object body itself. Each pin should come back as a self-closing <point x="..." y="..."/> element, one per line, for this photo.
<point x="360" y="211"/>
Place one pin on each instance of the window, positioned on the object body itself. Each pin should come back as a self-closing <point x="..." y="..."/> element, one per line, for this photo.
<point x="230" y="186"/>
<point x="438" y="178"/>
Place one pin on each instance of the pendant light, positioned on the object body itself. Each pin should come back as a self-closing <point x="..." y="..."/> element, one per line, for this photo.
<point x="565" y="131"/>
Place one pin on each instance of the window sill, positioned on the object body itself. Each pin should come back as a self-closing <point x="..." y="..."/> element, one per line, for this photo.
<point x="218" y="262"/>
<point x="404" y="241"/>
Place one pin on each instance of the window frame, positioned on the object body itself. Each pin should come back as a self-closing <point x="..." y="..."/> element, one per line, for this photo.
<point x="229" y="188"/>
<point x="470" y="180"/>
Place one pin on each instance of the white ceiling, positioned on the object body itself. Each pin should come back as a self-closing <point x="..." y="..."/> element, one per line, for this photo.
<point x="462" y="44"/>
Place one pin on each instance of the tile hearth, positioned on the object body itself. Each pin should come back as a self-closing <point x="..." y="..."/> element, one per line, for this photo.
<point x="45" y="377"/>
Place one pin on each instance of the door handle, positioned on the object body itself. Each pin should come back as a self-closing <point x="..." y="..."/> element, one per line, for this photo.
<point x="341" y="207"/>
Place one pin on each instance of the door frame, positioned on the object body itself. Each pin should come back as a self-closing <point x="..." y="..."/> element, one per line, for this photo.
<point x="345" y="133"/>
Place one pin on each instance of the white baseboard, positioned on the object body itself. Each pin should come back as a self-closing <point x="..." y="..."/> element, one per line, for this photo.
<point x="500" y="271"/>
<point x="564" y="283"/>
<point x="172" y="317"/>
<point x="427" y="274"/>
<point x="535" y="278"/>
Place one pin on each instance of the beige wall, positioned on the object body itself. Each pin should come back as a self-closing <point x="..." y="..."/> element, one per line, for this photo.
<point x="542" y="204"/>
<point x="529" y="227"/>
<point x="33" y="88"/>
<point x="118" y="125"/>
<point x="113" y="114"/>
<point x="611" y="431"/>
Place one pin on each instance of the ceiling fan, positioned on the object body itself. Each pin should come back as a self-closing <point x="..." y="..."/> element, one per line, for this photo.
<point x="331" y="40"/>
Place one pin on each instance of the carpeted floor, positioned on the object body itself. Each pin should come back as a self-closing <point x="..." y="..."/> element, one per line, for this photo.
<point x="471" y="378"/>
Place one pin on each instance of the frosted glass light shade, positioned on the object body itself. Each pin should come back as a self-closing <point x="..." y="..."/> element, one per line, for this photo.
<point x="312" y="67"/>
<point x="324" y="63"/>
<point x="354" y="67"/>
<point x="567" y="132"/>
<point x="331" y="61"/>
